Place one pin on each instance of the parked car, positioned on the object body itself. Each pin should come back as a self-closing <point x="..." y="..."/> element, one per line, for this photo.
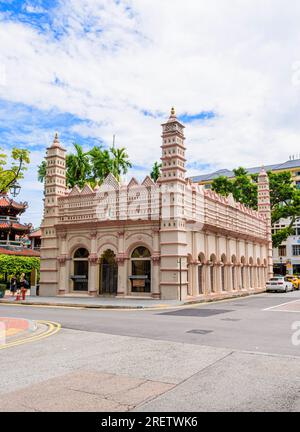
<point x="295" y="281"/>
<point x="279" y="283"/>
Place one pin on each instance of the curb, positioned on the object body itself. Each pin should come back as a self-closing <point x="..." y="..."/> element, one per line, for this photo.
<point x="124" y="307"/>
<point x="75" y="305"/>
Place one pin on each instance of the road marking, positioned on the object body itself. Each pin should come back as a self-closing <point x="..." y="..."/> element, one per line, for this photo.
<point x="53" y="328"/>
<point x="282" y="304"/>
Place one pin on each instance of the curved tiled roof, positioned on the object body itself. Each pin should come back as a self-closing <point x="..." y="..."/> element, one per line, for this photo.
<point x="15" y="225"/>
<point x="24" y="252"/>
<point x="5" y="202"/>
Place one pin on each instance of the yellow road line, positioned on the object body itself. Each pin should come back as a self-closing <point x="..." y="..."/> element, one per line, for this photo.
<point x="53" y="328"/>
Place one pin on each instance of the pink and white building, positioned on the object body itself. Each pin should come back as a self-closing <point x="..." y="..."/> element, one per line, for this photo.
<point x="167" y="240"/>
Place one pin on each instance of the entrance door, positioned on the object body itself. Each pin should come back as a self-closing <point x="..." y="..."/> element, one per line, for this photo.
<point x="108" y="273"/>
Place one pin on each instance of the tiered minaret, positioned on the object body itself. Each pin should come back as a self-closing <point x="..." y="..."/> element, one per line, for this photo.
<point x="173" y="150"/>
<point x="55" y="187"/>
<point x="264" y="208"/>
<point x="172" y="182"/>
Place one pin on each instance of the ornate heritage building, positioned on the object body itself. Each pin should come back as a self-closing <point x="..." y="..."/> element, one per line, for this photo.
<point x="168" y="240"/>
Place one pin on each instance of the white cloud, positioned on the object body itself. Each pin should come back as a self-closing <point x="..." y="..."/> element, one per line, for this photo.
<point x="115" y="60"/>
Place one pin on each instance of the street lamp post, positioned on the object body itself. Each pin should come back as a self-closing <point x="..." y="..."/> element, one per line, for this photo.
<point x="281" y="266"/>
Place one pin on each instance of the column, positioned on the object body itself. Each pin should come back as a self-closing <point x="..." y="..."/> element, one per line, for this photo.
<point x="93" y="266"/>
<point x="155" y="283"/>
<point x="122" y="276"/>
<point x="122" y="266"/>
<point x="93" y="273"/>
<point x="62" y="269"/>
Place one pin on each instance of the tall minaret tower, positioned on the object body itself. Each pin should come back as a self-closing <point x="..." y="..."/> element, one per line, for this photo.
<point x="173" y="236"/>
<point x="264" y="207"/>
<point x="55" y="187"/>
<point x="173" y="151"/>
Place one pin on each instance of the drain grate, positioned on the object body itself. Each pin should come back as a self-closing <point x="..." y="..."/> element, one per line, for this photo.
<point x="199" y="312"/>
<point x="202" y="332"/>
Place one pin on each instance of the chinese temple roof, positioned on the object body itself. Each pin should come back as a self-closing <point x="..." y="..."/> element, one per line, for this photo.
<point x="35" y="234"/>
<point x="15" y="226"/>
<point x="6" y="202"/>
<point x="23" y="252"/>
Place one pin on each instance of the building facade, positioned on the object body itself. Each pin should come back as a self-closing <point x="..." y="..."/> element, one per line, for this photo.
<point x="167" y="240"/>
<point x="286" y="257"/>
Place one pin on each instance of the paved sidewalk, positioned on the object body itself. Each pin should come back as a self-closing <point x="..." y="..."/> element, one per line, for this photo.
<point x="94" y="302"/>
<point x="85" y="301"/>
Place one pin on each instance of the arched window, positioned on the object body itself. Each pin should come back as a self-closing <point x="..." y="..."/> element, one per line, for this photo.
<point x="141" y="252"/>
<point x="141" y="266"/>
<point x="81" y="269"/>
<point x="81" y="253"/>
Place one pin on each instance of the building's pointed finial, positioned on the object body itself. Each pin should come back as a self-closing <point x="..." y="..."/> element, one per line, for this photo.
<point x="173" y="112"/>
<point x="56" y="142"/>
<point x="263" y="171"/>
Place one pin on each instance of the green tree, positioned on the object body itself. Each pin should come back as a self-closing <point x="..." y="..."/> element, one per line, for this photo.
<point x="14" y="265"/>
<point x="42" y="171"/>
<point x="20" y="160"/>
<point x="101" y="163"/>
<point x="119" y="161"/>
<point x="285" y="197"/>
<point x="78" y="167"/>
<point x="155" y="173"/>
<point x="93" y="166"/>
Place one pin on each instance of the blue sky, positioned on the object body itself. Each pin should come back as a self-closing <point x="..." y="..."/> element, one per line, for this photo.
<point x="94" y="69"/>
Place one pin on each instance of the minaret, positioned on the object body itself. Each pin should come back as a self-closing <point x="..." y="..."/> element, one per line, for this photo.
<point x="55" y="187"/>
<point x="264" y="208"/>
<point x="173" y="151"/>
<point x="173" y="241"/>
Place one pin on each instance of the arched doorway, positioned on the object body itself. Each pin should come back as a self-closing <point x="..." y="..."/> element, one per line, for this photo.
<point x="108" y="273"/>
<point x="141" y="266"/>
<point x="81" y="270"/>
<point x="243" y="276"/>
<point x="223" y="272"/>
<point x="233" y="272"/>
<point x="201" y="273"/>
<point x="213" y="260"/>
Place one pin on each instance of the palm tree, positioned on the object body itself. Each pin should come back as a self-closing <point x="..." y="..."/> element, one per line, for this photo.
<point x="78" y="167"/>
<point x="42" y="171"/>
<point x="101" y="163"/>
<point x="120" y="162"/>
<point x="155" y="173"/>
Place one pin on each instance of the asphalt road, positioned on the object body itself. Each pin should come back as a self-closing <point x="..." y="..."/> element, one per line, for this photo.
<point x="229" y="355"/>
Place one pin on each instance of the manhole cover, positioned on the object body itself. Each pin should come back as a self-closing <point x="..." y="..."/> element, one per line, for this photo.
<point x="197" y="312"/>
<point x="202" y="332"/>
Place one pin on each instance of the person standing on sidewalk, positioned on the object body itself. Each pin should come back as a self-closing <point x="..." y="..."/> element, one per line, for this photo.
<point x="13" y="285"/>
<point x="24" y="284"/>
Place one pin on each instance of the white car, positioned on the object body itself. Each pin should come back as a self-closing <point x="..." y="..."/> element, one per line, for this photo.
<point x="279" y="283"/>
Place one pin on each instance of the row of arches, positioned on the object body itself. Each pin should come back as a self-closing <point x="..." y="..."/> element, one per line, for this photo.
<point x="140" y="261"/>
<point x="229" y="274"/>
